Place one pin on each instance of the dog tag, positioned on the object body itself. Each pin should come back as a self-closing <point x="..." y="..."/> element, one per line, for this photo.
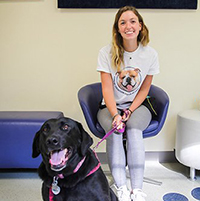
<point x="55" y="188"/>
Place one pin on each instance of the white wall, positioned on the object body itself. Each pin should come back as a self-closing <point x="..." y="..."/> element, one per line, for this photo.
<point x="47" y="54"/>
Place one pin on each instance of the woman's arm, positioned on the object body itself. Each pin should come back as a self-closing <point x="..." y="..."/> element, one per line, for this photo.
<point x="108" y="95"/>
<point x="142" y="94"/>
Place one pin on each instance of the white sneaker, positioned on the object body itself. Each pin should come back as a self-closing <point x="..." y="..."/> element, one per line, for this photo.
<point x="123" y="193"/>
<point x="138" y="195"/>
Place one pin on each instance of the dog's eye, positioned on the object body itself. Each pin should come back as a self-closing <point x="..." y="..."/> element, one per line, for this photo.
<point x="64" y="127"/>
<point x="46" y="128"/>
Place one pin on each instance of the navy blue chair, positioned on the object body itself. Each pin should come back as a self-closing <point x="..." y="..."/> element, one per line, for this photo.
<point x="90" y="96"/>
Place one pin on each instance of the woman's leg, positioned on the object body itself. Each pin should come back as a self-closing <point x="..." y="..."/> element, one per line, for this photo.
<point x="138" y="122"/>
<point x="114" y="149"/>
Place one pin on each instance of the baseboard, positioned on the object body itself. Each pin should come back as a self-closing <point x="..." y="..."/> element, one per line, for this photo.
<point x="162" y="157"/>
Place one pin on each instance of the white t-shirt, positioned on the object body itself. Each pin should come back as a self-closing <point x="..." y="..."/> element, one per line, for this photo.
<point x="143" y="61"/>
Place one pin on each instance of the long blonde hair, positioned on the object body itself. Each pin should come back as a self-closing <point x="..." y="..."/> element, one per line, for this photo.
<point x="117" y="50"/>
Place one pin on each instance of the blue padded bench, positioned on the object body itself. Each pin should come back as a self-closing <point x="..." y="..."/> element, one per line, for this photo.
<point x="17" y="131"/>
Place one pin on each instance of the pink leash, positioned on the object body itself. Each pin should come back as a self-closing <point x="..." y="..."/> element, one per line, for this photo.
<point x="112" y="130"/>
<point x="109" y="133"/>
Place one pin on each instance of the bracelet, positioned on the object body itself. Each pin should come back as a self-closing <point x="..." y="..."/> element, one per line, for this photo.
<point x="130" y="110"/>
<point x="114" y="116"/>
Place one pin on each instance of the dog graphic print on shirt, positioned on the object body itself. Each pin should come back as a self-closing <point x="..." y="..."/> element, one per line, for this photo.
<point x="128" y="80"/>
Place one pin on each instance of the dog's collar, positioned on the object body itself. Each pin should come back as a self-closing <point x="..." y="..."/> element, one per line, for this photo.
<point x="79" y="165"/>
<point x="93" y="170"/>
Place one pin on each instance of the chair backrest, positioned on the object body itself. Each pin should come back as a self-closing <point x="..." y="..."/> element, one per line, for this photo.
<point x="90" y="97"/>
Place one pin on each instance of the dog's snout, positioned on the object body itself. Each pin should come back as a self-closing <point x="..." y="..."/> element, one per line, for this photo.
<point x="52" y="141"/>
<point x="128" y="79"/>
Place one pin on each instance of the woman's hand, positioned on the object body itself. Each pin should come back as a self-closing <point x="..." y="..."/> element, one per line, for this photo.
<point x="117" y="121"/>
<point x="126" y="115"/>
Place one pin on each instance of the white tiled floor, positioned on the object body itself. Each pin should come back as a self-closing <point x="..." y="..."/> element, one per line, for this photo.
<point x="26" y="186"/>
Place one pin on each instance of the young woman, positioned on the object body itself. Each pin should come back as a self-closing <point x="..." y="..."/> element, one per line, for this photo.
<point x="127" y="67"/>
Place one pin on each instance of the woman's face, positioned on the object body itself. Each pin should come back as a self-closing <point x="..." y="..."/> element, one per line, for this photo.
<point x="129" y="26"/>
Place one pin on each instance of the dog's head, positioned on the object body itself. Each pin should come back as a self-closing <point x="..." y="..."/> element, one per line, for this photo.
<point x="128" y="80"/>
<point x="61" y="142"/>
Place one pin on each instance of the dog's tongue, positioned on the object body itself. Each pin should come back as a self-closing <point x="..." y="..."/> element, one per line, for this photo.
<point x="57" y="157"/>
<point x="129" y="87"/>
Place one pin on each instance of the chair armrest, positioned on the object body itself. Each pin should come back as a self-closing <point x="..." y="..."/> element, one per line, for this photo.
<point x="89" y="98"/>
<point x="162" y="104"/>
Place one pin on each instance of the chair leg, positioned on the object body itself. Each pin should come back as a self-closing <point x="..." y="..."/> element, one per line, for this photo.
<point x="152" y="181"/>
<point x="192" y="174"/>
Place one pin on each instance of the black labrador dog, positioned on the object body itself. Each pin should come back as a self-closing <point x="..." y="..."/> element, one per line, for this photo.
<point x="70" y="170"/>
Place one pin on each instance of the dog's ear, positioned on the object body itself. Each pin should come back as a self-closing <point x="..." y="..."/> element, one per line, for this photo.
<point x="35" y="146"/>
<point x="86" y="140"/>
<point x="137" y="70"/>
